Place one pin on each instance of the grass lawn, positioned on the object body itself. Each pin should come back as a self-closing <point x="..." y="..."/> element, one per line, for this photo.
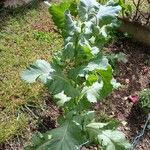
<point x="25" y="35"/>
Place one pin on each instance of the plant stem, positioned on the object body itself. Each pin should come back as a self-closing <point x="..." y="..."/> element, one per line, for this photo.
<point x="76" y="50"/>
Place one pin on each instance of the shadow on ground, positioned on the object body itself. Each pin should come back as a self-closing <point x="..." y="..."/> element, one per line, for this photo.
<point x="20" y="11"/>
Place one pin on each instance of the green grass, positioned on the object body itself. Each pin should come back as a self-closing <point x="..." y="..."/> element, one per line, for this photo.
<point x="24" y="37"/>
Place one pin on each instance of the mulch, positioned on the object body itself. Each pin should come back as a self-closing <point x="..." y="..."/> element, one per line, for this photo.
<point x="134" y="76"/>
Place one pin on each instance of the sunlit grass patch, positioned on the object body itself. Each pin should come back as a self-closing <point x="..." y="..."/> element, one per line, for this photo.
<point x="11" y="126"/>
<point x="23" y="39"/>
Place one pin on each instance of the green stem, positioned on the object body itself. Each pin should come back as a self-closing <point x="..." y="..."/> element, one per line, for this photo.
<point x="76" y="50"/>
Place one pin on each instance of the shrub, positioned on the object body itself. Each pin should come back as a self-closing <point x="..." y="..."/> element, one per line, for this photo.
<point x="144" y="100"/>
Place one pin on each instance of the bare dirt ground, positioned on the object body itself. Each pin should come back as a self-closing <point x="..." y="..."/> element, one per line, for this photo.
<point x="135" y="76"/>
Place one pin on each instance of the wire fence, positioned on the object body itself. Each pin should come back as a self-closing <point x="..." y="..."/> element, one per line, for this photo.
<point x="140" y="135"/>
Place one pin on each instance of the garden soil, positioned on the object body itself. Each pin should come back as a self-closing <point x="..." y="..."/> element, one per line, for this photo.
<point x="134" y="76"/>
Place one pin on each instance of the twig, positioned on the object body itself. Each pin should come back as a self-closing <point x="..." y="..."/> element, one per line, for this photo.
<point x="137" y="10"/>
<point x="33" y="114"/>
<point x="10" y="145"/>
<point x="148" y="19"/>
<point x="137" y="7"/>
<point x="142" y="14"/>
<point x="47" y="3"/>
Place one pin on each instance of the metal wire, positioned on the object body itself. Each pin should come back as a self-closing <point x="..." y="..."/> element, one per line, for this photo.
<point x="140" y="135"/>
<point x="81" y="146"/>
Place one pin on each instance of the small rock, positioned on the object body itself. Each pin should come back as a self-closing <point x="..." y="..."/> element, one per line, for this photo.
<point x="124" y="123"/>
<point x="127" y="129"/>
<point x="125" y="98"/>
<point x="127" y="81"/>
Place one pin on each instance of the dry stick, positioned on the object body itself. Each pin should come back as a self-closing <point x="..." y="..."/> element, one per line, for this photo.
<point x="18" y="139"/>
<point x="148" y="1"/>
<point x="137" y="8"/>
<point x="138" y="11"/>
<point x="10" y="145"/>
<point x="142" y="14"/>
<point x="142" y="2"/>
<point x="35" y="116"/>
<point x="148" y="19"/>
<point x="138" y="17"/>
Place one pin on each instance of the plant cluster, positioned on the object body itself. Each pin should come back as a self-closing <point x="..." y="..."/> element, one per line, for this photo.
<point x="144" y="100"/>
<point x="78" y="76"/>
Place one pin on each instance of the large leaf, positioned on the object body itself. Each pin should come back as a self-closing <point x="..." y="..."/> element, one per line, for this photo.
<point x="62" y="98"/>
<point x="71" y="30"/>
<point x="61" y="83"/>
<point x="71" y="25"/>
<point x="55" y="80"/>
<point x="107" y="13"/>
<point x="92" y="92"/>
<point x="87" y="7"/>
<point x="39" y="70"/>
<point x="106" y="137"/>
<point x="58" y="14"/>
<point x="102" y="67"/>
<point x="98" y="64"/>
<point x="66" y="137"/>
<point x="113" y="140"/>
<point x="101" y="72"/>
<point x="91" y="9"/>
<point x="107" y="77"/>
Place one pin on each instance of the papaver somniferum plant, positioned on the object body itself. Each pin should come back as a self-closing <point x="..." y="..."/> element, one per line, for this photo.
<point x="78" y="76"/>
